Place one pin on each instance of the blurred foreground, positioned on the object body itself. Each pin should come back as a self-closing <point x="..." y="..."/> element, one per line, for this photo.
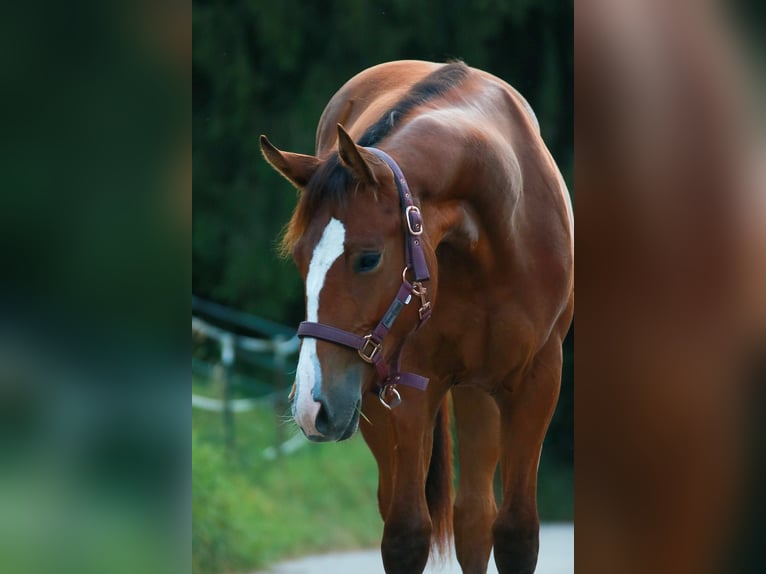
<point x="95" y="202"/>
<point x="671" y="282"/>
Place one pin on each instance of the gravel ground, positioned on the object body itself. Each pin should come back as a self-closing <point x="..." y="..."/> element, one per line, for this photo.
<point x="556" y="557"/>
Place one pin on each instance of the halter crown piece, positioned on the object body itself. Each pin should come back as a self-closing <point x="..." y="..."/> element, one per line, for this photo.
<point x="369" y="346"/>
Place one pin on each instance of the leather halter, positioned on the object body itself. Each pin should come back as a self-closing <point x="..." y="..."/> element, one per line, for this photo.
<point x="369" y="346"/>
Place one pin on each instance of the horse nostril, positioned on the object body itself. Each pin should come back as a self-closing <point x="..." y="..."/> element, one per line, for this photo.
<point x="323" y="423"/>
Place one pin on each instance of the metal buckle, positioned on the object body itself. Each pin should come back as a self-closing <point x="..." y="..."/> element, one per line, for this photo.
<point x="395" y="401"/>
<point x="411" y="209"/>
<point x="368" y="342"/>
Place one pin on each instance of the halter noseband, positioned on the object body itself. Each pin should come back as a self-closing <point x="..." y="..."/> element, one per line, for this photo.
<point x="369" y="346"/>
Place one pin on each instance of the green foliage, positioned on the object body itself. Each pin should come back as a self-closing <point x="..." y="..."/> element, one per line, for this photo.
<point x="270" y="67"/>
<point x="219" y="533"/>
<point x="555" y="490"/>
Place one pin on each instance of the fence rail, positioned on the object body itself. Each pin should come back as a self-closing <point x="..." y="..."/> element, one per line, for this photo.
<point x="223" y="315"/>
<point x="218" y="406"/>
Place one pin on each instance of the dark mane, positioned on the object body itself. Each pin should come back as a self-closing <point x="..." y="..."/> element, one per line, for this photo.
<point x="328" y="186"/>
<point x="434" y="84"/>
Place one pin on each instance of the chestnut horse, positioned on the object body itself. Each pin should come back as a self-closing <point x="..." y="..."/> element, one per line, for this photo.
<point x="432" y="194"/>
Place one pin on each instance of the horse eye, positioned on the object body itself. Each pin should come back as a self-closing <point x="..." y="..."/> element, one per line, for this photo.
<point x="367" y="261"/>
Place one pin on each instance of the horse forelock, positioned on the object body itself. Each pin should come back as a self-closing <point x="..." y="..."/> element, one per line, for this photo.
<point x="330" y="187"/>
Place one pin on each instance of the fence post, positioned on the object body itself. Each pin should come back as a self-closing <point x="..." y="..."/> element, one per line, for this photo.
<point x="279" y="402"/>
<point x="227" y="359"/>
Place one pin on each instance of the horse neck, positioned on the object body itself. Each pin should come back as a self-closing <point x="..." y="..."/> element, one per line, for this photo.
<point x="451" y="183"/>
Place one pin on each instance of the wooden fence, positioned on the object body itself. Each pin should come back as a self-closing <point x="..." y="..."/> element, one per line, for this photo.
<point x="245" y="337"/>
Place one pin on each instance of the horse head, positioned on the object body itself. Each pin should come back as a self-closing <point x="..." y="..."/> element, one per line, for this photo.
<point x="347" y="237"/>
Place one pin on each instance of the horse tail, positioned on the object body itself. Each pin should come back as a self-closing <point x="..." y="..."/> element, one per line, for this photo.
<point x="439" y="482"/>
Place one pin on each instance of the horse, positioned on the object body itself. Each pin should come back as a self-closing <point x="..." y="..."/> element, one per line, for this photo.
<point x="434" y="233"/>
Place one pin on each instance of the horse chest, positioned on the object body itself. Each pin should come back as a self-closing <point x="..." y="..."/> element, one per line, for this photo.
<point x="477" y="341"/>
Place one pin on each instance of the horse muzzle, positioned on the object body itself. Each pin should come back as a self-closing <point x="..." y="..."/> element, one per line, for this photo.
<point x="335" y="428"/>
<point x="329" y="414"/>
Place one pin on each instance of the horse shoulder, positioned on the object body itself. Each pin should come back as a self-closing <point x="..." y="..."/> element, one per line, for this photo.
<point x="513" y="97"/>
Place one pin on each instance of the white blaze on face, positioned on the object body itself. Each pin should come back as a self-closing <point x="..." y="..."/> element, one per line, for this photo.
<point x="309" y="374"/>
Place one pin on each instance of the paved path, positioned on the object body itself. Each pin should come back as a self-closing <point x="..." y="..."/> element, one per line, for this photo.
<point x="556" y="557"/>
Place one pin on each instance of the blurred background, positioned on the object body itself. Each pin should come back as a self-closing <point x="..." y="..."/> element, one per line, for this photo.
<point x="95" y="209"/>
<point x="261" y="493"/>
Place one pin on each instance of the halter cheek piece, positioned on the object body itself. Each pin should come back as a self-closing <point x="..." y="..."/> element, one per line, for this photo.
<point x="369" y="346"/>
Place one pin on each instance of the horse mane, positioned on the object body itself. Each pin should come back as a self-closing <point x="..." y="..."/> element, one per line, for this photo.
<point x="433" y="85"/>
<point x="330" y="183"/>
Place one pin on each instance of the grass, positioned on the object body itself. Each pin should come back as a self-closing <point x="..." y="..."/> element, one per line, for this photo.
<point x="249" y="511"/>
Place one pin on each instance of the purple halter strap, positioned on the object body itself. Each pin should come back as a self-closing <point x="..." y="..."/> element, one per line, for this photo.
<point x="369" y="347"/>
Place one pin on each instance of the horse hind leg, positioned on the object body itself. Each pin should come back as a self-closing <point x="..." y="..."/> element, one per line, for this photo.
<point x="477" y="422"/>
<point x="526" y="408"/>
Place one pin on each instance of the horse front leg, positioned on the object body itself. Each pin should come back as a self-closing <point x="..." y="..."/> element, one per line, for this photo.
<point x="526" y="407"/>
<point x="401" y="441"/>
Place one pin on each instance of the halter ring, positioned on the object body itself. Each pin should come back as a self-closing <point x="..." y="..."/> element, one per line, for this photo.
<point x="394" y="402"/>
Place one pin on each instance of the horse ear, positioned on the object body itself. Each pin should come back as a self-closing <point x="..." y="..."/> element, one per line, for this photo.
<point x="351" y="157"/>
<point x="295" y="167"/>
